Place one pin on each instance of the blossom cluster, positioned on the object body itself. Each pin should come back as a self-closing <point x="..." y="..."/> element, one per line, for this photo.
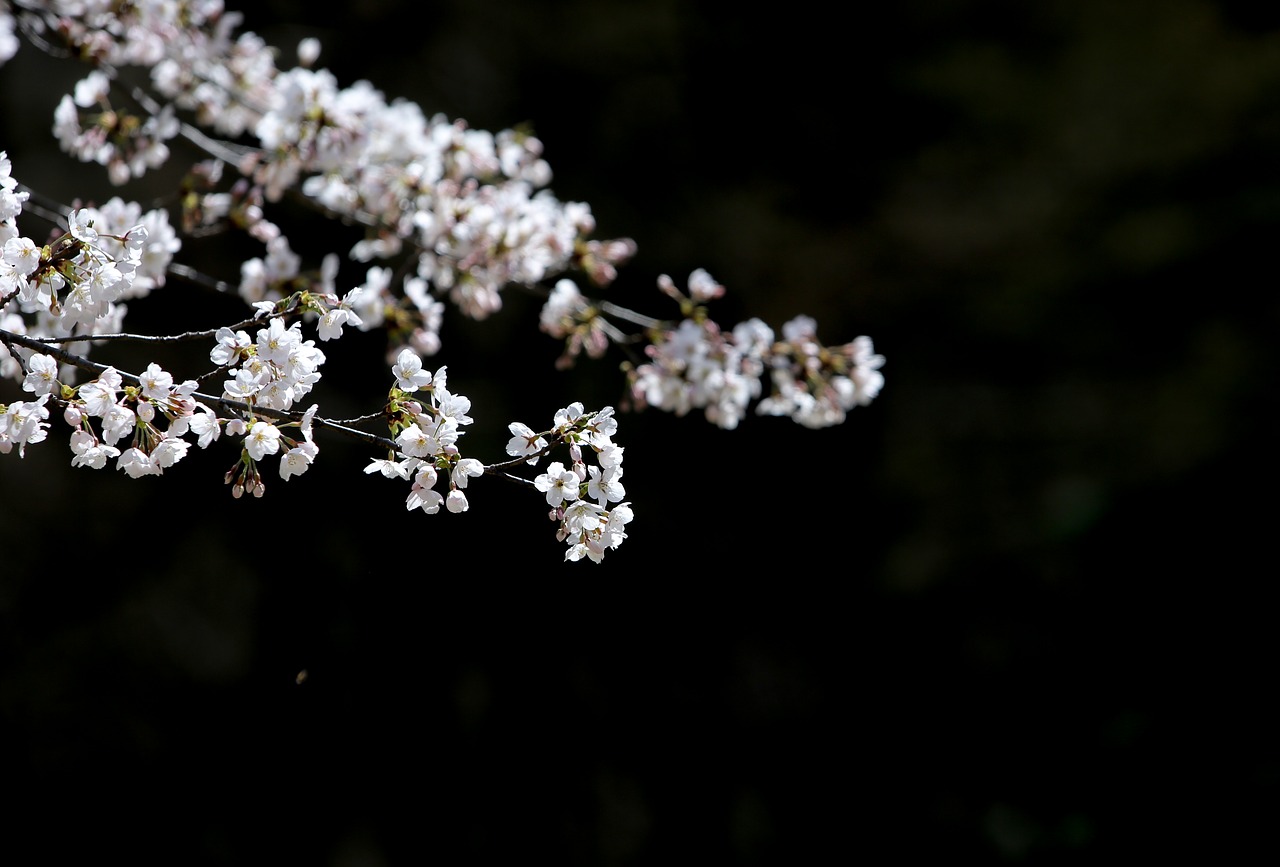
<point x="77" y="284"/>
<point x="426" y="435"/>
<point x="471" y="204"/>
<point x="262" y="437"/>
<point x="697" y="365"/>
<point x="88" y="128"/>
<point x="569" y="316"/>
<point x="274" y="370"/>
<point x="579" y="494"/>
<point x="131" y="412"/>
<point x="134" y="412"/>
<point x="816" y="385"/>
<point x="22" y="423"/>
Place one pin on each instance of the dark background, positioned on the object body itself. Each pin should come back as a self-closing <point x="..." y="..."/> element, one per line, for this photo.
<point x="1016" y="610"/>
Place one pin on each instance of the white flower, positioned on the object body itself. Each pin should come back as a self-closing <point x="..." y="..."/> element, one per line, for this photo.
<point x="409" y="373"/>
<point x="426" y="476"/>
<point x="590" y="547"/>
<point x="118" y="422"/>
<point x="569" y="417"/>
<point x="275" y="342"/>
<point x="703" y="288"/>
<point x="421" y="496"/>
<point x="558" y="483"/>
<point x="602" y="427"/>
<point x="425" y="499"/>
<point x="583" y="516"/>
<point x="23" y="422"/>
<point x="389" y="469"/>
<point x="92" y="89"/>
<point x="80" y="224"/>
<point x="604" y="486"/>
<point x="231" y="345"/>
<point x="563" y="304"/>
<point x="308" y="50"/>
<point x="416" y="443"/>
<point x="42" y="375"/>
<point x="245" y="385"/>
<point x="169" y="451"/>
<point x="99" y="396"/>
<point x="610" y="456"/>
<point x="453" y="408"/>
<point x="524" y="442"/>
<point x="295" y="462"/>
<point x="156" y="383"/>
<point x="619" y="516"/>
<point x="466" y="468"/>
<point x="308" y="420"/>
<point x="89" y="452"/>
<point x="330" y="325"/>
<point x="22" y="255"/>
<point x="204" y="424"/>
<point x="137" y="464"/>
<point x="263" y="439"/>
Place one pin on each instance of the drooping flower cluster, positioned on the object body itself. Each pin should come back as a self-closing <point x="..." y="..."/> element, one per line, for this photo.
<point x="426" y="436"/>
<point x="132" y="412"/>
<point x="263" y="437"/>
<point x="580" y="493"/>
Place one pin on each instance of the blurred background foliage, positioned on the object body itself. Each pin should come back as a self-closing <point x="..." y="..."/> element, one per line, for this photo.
<point x="1014" y="610"/>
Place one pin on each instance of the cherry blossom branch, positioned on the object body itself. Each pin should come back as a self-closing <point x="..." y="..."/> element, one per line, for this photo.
<point x="449" y="215"/>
